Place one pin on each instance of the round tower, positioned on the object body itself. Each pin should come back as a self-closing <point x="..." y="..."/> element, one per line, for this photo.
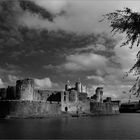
<point x="99" y="94"/>
<point x="78" y="86"/>
<point x="25" y="89"/>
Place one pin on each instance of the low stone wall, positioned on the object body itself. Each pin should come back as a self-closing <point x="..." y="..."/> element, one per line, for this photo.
<point x="33" y="109"/>
<point x="74" y="107"/>
<point x="104" y="108"/>
<point x="25" y="109"/>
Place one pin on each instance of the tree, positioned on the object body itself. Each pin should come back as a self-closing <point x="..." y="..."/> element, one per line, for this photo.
<point x="128" y="22"/>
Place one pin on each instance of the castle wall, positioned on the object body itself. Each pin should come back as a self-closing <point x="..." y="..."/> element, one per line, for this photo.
<point x="55" y="97"/>
<point x="73" y="96"/>
<point x="47" y="95"/>
<point x="41" y="95"/>
<point x="73" y="101"/>
<point x="82" y="96"/>
<point x="104" y="108"/>
<point x="74" y="107"/>
<point x="23" y="109"/>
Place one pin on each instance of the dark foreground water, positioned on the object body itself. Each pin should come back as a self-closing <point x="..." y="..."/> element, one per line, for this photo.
<point x="105" y="127"/>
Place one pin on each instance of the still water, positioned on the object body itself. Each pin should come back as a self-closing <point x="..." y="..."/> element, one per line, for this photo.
<point x="105" y="127"/>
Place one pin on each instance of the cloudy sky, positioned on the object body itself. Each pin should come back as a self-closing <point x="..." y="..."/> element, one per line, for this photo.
<point x="72" y="45"/>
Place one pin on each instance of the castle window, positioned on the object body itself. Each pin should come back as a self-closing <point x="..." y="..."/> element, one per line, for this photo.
<point x="64" y="98"/>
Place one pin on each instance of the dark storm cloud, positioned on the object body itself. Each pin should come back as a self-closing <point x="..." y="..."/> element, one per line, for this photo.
<point x="10" y="12"/>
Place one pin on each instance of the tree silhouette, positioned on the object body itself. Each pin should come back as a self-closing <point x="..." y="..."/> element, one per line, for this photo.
<point x="128" y="22"/>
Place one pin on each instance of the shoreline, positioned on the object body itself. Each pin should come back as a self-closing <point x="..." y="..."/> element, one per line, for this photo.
<point x="68" y="115"/>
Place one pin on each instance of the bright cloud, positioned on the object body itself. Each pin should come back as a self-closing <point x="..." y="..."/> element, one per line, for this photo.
<point x="96" y="78"/>
<point x="126" y="56"/>
<point x="13" y="78"/>
<point x="85" y="61"/>
<point x="45" y="83"/>
<point x="97" y="47"/>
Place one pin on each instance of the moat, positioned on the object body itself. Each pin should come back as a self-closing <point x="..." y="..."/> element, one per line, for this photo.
<point x="105" y="127"/>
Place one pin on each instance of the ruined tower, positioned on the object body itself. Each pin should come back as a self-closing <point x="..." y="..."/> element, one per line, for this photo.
<point x="99" y="94"/>
<point x="78" y="86"/>
<point x="25" y="89"/>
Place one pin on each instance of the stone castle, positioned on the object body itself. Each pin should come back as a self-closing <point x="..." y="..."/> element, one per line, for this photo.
<point x="24" y="100"/>
<point x="25" y="90"/>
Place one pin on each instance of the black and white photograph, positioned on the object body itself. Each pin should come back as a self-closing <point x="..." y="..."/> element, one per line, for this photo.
<point x="69" y="69"/>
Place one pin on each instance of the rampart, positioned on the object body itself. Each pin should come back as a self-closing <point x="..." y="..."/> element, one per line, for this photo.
<point x="26" y="109"/>
<point x="104" y="108"/>
<point x="34" y="109"/>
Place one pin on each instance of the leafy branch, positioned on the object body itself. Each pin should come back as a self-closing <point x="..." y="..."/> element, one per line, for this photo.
<point x="127" y="22"/>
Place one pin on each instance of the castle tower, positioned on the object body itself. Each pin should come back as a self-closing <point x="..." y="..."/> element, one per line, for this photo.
<point x="99" y="94"/>
<point x="25" y="89"/>
<point x="78" y="86"/>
